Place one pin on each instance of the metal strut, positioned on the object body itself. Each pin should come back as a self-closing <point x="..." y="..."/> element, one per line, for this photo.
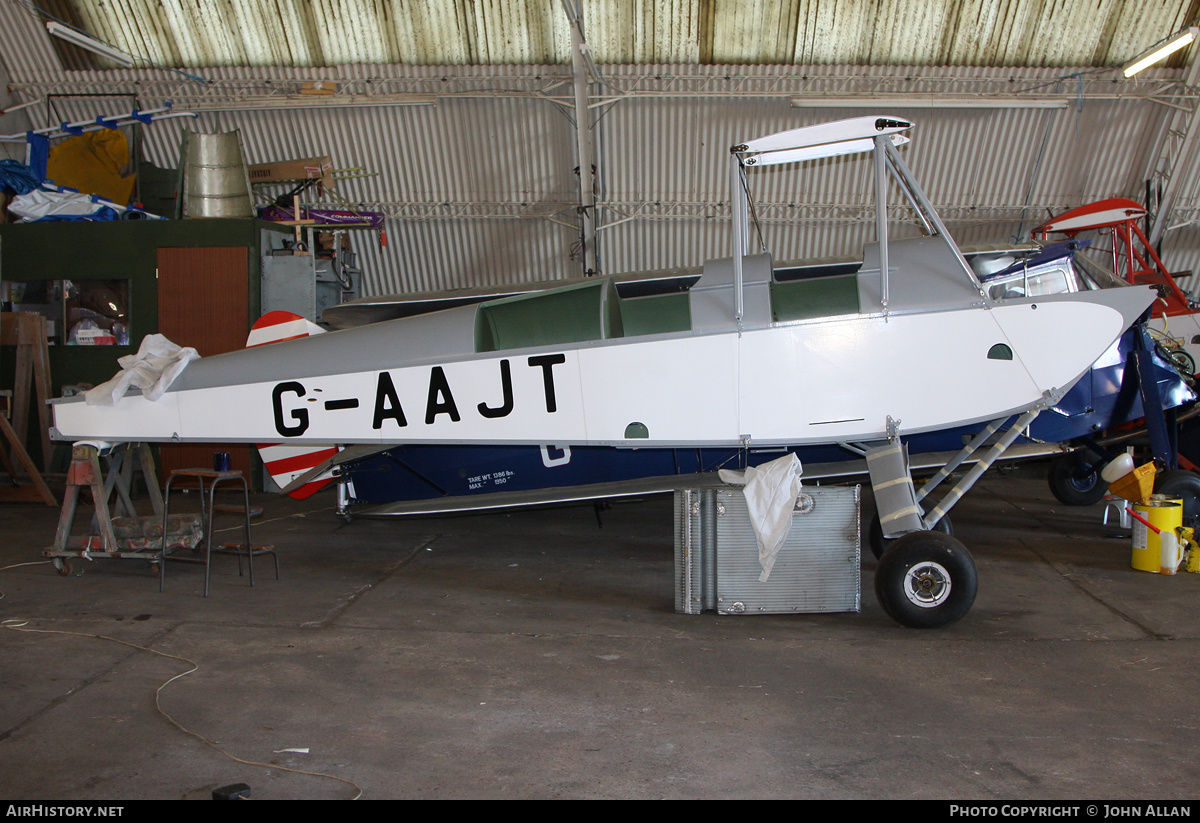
<point x="897" y="499"/>
<point x="993" y="454"/>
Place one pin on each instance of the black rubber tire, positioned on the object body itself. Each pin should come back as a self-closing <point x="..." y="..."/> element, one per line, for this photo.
<point x="1072" y="486"/>
<point x="926" y="580"/>
<point x="1184" y="485"/>
<point x="880" y="544"/>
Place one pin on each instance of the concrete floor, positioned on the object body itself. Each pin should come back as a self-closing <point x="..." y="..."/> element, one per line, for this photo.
<point x="535" y="655"/>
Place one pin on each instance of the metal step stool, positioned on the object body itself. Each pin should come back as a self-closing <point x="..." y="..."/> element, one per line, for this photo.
<point x="246" y="548"/>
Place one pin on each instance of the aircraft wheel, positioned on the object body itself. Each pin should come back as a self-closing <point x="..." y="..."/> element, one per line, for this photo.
<point x="1184" y="485"/>
<point x="880" y="544"/>
<point x="1075" y="484"/>
<point x="926" y="580"/>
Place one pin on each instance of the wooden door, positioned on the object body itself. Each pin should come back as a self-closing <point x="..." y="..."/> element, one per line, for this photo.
<point x="203" y="302"/>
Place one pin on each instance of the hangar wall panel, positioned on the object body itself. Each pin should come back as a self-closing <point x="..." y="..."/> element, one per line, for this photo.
<point x="478" y="186"/>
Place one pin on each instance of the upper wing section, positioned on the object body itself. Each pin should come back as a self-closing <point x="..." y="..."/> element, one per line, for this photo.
<point x="822" y="140"/>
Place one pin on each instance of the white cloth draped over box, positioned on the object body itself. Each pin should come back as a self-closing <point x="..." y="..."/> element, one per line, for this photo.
<point x="771" y="491"/>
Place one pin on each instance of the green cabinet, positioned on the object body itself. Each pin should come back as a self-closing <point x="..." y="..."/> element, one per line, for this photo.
<point x="110" y="262"/>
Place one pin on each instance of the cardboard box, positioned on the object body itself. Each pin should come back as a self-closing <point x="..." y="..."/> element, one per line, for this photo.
<point x="286" y="171"/>
<point x="94" y="337"/>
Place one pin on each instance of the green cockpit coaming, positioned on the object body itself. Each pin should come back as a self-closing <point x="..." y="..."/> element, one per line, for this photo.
<point x="815" y="297"/>
<point x="570" y="314"/>
<point x="656" y="314"/>
<point x="584" y="312"/>
<point x="576" y="314"/>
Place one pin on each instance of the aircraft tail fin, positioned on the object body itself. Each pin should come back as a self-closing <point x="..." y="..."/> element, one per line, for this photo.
<point x="284" y="462"/>
<point x="277" y="326"/>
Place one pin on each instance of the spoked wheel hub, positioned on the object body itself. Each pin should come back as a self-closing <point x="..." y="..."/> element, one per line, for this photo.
<point x="926" y="580"/>
<point x="928" y="585"/>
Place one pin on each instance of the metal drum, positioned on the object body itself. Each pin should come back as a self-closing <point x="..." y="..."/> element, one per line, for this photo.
<point x="216" y="183"/>
<point x="1149" y="552"/>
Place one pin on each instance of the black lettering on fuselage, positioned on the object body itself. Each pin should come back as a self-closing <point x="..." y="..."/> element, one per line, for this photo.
<point x="300" y="415"/>
<point x="439" y="388"/>
<point x="547" y="362"/>
<point x="506" y="407"/>
<point x="439" y="400"/>
<point x="387" y="403"/>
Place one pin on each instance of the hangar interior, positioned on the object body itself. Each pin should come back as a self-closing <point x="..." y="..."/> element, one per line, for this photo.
<point x="253" y="156"/>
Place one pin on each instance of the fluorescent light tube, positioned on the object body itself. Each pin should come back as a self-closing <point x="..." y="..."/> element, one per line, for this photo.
<point x="932" y="102"/>
<point x="80" y="39"/>
<point x="1159" y="52"/>
<point x="312" y="101"/>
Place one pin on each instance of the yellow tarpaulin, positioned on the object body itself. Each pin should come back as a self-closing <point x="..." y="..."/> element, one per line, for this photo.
<point x="92" y="163"/>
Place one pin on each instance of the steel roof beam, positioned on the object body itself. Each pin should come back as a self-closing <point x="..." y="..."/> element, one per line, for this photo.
<point x="1172" y="158"/>
<point x="581" y="68"/>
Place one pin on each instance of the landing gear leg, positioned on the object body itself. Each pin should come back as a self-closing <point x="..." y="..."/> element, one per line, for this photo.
<point x="927" y="579"/>
<point x="880" y="544"/>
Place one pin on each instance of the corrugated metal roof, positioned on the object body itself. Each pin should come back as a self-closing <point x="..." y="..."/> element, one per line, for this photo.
<point x="206" y="33"/>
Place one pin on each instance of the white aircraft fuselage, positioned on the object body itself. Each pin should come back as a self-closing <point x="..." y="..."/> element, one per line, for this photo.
<point x="909" y="343"/>
<point x="789" y="383"/>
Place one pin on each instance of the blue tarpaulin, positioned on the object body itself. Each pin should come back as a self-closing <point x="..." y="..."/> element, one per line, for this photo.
<point x="39" y="153"/>
<point x="17" y="177"/>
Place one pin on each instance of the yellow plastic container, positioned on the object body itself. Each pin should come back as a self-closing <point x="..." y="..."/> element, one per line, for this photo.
<point x="1135" y="486"/>
<point x="1167" y="516"/>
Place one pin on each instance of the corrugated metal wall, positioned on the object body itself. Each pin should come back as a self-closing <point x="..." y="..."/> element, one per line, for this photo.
<point x="992" y="172"/>
<point x="443" y="169"/>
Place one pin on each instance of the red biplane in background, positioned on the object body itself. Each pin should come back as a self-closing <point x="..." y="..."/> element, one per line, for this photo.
<point x="1176" y="323"/>
<point x="1112" y="227"/>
